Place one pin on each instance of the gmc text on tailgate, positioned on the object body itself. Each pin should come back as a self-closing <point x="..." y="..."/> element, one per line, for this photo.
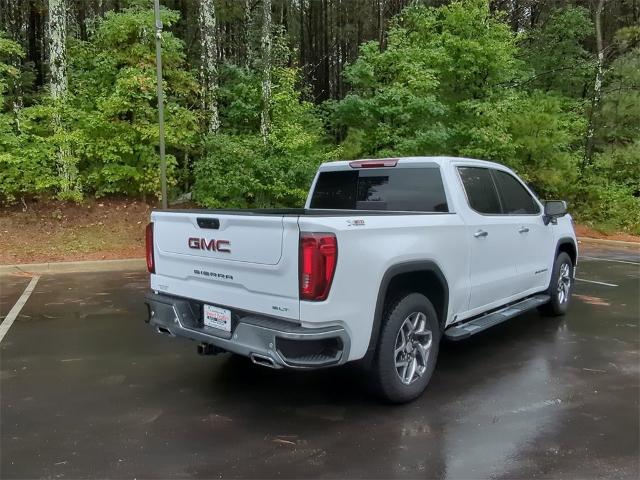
<point x="386" y="259"/>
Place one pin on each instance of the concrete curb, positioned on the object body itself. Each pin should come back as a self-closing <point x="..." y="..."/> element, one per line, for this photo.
<point x="618" y="243"/>
<point x="82" y="266"/>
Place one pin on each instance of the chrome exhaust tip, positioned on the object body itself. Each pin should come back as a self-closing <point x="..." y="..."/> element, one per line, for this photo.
<point x="263" y="360"/>
<point x="165" y="331"/>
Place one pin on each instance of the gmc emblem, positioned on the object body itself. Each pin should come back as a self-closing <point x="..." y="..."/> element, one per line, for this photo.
<point x="212" y="245"/>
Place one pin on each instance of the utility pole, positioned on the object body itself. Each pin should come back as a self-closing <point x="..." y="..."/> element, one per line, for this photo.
<point x="163" y="162"/>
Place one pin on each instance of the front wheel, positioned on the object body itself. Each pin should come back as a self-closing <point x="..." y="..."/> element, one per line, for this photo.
<point x="560" y="287"/>
<point x="407" y="350"/>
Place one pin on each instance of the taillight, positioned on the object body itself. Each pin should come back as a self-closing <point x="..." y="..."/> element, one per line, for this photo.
<point x="318" y="255"/>
<point x="151" y="266"/>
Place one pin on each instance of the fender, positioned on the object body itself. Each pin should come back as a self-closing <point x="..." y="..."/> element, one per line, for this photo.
<point x="572" y="244"/>
<point x="567" y="241"/>
<point x="389" y="275"/>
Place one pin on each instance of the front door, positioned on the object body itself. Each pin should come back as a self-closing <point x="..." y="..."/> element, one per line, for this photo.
<point x="533" y="239"/>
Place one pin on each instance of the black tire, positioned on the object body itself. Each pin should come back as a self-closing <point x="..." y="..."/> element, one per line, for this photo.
<point x="560" y="296"/>
<point x="384" y="373"/>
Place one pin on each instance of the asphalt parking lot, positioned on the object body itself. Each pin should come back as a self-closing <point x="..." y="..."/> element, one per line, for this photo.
<point x="88" y="390"/>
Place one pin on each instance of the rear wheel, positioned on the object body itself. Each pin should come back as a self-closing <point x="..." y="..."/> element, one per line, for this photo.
<point x="407" y="350"/>
<point x="560" y="287"/>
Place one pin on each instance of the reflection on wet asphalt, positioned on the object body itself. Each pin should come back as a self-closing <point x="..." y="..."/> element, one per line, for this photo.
<point x="89" y="391"/>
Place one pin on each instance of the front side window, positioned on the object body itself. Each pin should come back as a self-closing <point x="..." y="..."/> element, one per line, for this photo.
<point x="516" y="200"/>
<point x="480" y="189"/>
<point x="393" y="189"/>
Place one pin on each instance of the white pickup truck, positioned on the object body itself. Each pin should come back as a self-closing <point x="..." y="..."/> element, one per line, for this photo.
<point x="387" y="257"/>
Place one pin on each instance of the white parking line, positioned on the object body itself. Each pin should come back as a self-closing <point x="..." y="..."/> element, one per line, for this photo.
<point x="13" y="313"/>
<point x="608" y="260"/>
<point x="597" y="283"/>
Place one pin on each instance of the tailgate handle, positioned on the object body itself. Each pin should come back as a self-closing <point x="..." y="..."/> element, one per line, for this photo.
<point x="212" y="223"/>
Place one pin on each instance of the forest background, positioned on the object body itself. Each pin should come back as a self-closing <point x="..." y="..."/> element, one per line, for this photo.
<point x="259" y="92"/>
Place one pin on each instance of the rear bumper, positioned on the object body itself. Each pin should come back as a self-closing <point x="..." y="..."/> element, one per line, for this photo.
<point x="267" y="341"/>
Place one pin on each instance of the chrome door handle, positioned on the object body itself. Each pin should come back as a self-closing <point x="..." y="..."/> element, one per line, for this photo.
<point x="480" y="233"/>
<point x="523" y="230"/>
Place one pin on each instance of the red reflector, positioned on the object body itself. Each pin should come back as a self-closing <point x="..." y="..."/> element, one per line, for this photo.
<point x="318" y="255"/>
<point x="379" y="163"/>
<point x="149" y="248"/>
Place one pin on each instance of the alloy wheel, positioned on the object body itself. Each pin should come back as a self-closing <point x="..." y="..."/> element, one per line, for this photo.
<point x="564" y="283"/>
<point x="412" y="347"/>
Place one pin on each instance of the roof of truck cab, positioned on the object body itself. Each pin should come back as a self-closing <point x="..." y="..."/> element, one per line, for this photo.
<point x="338" y="165"/>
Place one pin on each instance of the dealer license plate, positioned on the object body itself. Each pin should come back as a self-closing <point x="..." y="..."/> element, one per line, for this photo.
<point x="217" y="317"/>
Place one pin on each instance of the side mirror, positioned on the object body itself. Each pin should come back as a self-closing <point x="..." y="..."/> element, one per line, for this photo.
<point x="554" y="209"/>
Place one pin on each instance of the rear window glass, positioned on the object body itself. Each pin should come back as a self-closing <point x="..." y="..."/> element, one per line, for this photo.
<point x="480" y="189"/>
<point x="395" y="189"/>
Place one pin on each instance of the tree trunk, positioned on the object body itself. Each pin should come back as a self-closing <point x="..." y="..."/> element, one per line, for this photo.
<point x="597" y="88"/>
<point x="381" y="24"/>
<point x="209" y="64"/>
<point x="69" y="185"/>
<point x="265" y="121"/>
<point x="302" y="44"/>
<point x="248" y="24"/>
<point x="57" y="48"/>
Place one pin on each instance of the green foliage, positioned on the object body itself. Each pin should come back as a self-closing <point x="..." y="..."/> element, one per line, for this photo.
<point x="609" y="205"/>
<point x="9" y="52"/>
<point x="13" y="175"/>
<point x="610" y="191"/>
<point x="555" y="52"/>
<point x="113" y="85"/>
<point x="536" y="134"/>
<point x="444" y="86"/>
<point x="109" y="119"/>
<point x="239" y="170"/>
<point x="410" y="98"/>
<point x="450" y="80"/>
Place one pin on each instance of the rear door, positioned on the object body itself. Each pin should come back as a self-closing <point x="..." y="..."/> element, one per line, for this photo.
<point x="493" y="252"/>
<point x="243" y="261"/>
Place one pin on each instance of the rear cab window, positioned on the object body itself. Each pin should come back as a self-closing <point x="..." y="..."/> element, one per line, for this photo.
<point x="417" y="189"/>
<point x="480" y="189"/>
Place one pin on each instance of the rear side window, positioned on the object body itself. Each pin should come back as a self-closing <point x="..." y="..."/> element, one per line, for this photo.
<point x="515" y="198"/>
<point x="480" y="189"/>
<point x="394" y="189"/>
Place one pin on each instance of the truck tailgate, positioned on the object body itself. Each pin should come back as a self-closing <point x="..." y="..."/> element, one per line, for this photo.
<point x="231" y="260"/>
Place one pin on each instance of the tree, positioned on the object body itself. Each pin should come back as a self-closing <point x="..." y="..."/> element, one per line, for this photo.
<point x="597" y="87"/>
<point x="265" y="121"/>
<point x="115" y="122"/>
<point x="248" y="25"/>
<point x="69" y="185"/>
<point x="11" y="172"/>
<point x="209" y="64"/>
<point x="555" y="51"/>
<point x="410" y="98"/>
<point x="58" y="49"/>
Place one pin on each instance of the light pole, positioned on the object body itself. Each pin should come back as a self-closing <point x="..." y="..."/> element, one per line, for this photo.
<point x="163" y="162"/>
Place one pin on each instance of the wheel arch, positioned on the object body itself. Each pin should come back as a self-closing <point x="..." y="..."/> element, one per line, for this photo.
<point x="423" y="276"/>
<point x="567" y="245"/>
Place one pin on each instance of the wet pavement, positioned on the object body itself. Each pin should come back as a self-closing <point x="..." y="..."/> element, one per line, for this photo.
<point x="88" y="390"/>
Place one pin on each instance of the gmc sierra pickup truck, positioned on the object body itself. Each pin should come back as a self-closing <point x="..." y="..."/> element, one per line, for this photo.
<point x="387" y="257"/>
